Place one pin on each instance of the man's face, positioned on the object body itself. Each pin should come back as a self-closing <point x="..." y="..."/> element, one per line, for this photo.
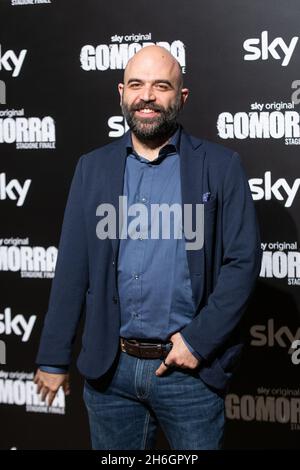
<point x="151" y="99"/>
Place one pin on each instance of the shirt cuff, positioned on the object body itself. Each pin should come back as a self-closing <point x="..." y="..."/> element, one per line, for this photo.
<point x="54" y="369"/>
<point x="191" y="348"/>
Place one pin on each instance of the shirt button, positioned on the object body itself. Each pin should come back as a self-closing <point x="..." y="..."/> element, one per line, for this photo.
<point x="144" y="199"/>
<point x="115" y="300"/>
<point x="113" y="263"/>
<point x="136" y="276"/>
<point x="140" y="237"/>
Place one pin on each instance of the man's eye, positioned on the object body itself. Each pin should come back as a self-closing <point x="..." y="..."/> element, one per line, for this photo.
<point x="162" y="86"/>
<point x="135" y="85"/>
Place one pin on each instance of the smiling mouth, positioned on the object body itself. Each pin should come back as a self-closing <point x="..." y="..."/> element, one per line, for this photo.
<point x="147" y="111"/>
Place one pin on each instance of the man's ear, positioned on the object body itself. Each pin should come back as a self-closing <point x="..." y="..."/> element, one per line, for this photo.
<point x="184" y="95"/>
<point x="121" y="89"/>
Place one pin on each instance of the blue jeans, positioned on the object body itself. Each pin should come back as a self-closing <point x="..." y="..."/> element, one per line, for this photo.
<point x="126" y="405"/>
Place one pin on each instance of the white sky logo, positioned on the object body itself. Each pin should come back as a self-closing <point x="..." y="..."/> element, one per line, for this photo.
<point x="18" y="325"/>
<point x="261" y="48"/>
<point x="268" y="335"/>
<point x="118" y="126"/>
<point x="12" y="62"/>
<point x="262" y="188"/>
<point x="13" y="190"/>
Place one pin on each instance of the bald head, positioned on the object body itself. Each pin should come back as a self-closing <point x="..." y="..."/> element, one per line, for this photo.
<point x="152" y="60"/>
<point x="152" y="95"/>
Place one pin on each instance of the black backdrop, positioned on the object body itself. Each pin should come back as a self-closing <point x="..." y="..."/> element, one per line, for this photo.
<point x="60" y="62"/>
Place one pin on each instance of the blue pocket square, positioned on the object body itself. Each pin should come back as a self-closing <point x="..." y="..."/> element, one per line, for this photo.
<point x="205" y="197"/>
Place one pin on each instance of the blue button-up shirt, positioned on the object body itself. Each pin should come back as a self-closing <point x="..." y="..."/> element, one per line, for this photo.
<point x="154" y="285"/>
<point x="155" y="291"/>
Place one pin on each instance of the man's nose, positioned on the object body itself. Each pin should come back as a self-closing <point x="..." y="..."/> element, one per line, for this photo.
<point x="147" y="94"/>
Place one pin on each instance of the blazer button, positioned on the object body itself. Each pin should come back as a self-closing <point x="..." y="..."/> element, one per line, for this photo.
<point x="115" y="300"/>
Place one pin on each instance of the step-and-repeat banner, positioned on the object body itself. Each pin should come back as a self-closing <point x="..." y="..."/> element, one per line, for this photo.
<point x="60" y="63"/>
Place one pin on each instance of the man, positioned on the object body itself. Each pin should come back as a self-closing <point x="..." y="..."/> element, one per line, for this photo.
<point x="161" y="335"/>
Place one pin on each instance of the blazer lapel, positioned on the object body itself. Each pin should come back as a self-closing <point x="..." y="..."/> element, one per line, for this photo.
<point x="116" y="181"/>
<point x="193" y="177"/>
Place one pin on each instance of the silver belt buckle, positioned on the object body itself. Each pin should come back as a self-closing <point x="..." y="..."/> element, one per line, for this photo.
<point x="167" y="347"/>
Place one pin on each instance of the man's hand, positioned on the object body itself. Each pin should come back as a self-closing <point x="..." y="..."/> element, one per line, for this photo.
<point x="48" y="384"/>
<point x="179" y="356"/>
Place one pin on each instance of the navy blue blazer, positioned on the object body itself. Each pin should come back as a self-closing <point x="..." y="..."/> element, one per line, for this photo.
<point x="223" y="272"/>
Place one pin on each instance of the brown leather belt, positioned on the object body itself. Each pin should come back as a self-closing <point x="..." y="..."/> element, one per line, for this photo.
<point x="145" y="349"/>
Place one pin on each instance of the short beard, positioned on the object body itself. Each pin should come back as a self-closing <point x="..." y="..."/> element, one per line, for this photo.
<point x="152" y="129"/>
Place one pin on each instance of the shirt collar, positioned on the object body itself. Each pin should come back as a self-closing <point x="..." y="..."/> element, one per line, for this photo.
<point x="171" y="147"/>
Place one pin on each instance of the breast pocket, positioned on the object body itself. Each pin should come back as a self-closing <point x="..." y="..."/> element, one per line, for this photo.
<point x="211" y="205"/>
<point x="210" y="213"/>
